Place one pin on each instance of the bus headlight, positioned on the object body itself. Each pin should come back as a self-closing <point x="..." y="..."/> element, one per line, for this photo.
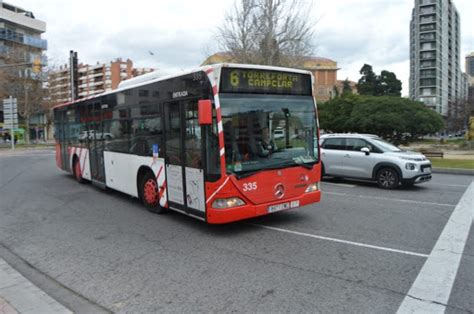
<point x="222" y="203"/>
<point x="313" y="187"/>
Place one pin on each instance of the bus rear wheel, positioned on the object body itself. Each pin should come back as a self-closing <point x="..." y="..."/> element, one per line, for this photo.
<point x="150" y="194"/>
<point x="77" y="171"/>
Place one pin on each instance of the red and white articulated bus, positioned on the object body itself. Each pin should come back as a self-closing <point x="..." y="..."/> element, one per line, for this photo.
<point x="220" y="143"/>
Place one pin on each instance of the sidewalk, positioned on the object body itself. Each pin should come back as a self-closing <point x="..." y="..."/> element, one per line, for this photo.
<point x="18" y="295"/>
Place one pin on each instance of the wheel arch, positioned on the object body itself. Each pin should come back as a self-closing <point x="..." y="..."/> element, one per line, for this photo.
<point x="381" y="165"/>
<point x="74" y="159"/>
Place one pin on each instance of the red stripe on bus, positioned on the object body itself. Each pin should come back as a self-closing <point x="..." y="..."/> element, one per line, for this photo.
<point x="162" y="190"/>
<point x="159" y="172"/>
<point x="221" y="139"/>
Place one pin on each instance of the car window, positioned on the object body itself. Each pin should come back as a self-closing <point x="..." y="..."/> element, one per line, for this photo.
<point x="355" y="144"/>
<point x="334" y="143"/>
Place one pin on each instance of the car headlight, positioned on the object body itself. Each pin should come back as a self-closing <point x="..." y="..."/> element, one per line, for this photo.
<point x="222" y="203"/>
<point x="410" y="166"/>
<point x="313" y="187"/>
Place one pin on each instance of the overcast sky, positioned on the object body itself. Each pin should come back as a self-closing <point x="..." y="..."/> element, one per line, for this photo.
<point x="180" y="32"/>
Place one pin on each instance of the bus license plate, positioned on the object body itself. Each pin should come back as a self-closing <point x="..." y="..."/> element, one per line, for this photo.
<point x="283" y="206"/>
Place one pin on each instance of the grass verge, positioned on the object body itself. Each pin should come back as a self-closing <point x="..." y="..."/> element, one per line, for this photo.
<point x="452" y="163"/>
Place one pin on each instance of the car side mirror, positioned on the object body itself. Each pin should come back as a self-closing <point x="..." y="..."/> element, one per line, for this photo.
<point x="366" y="150"/>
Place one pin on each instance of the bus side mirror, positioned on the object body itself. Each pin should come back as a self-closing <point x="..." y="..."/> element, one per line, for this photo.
<point x="205" y="112"/>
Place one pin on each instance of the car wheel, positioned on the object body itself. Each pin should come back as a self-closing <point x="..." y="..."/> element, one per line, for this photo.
<point x="150" y="194"/>
<point x="76" y="170"/>
<point x="387" y="178"/>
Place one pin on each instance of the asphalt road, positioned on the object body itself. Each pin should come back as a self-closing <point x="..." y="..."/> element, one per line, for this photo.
<point x="359" y="250"/>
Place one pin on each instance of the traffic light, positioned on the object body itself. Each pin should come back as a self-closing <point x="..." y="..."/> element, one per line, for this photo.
<point x="74" y="74"/>
<point x="37" y="65"/>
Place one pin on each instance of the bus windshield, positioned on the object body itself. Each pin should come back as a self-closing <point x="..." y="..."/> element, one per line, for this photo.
<point x="268" y="132"/>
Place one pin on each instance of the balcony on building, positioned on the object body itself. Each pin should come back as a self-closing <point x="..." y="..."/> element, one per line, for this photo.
<point x="430" y="9"/>
<point x="427" y="55"/>
<point x="7" y="34"/>
<point x="427" y="46"/>
<point x="427" y="37"/>
<point x="428" y="27"/>
<point x="427" y="18"/>
<point x="430" y="73"/>
<point x="428" y="82"/>
<point x="426" y="2"/>
<point x="3" y="50"/>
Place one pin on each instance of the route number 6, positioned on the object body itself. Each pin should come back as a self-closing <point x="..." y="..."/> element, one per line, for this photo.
<point x="250" y="186"/>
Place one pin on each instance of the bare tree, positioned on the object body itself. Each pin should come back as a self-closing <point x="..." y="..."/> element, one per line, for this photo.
<point x="459" y="112"/>
<point x="272" y="32"/>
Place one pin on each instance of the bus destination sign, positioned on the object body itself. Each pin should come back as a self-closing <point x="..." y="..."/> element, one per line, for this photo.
<point x="264" y="82"/>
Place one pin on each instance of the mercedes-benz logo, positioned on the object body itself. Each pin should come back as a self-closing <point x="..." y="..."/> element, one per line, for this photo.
<point x="279" y="190"/>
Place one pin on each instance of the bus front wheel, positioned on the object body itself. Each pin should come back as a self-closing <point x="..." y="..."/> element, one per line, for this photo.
<point x="150" y="194"/>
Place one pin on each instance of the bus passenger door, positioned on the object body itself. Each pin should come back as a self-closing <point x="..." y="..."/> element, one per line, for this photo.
<point x="193" y="162"/>
<point x="183" y="158"/>
<point x="61" y="130"/>
<point x="96" y="144"/>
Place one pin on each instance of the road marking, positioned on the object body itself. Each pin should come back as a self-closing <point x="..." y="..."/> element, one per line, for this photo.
<point x="314" y="236"/>
<point x="28" y="155"/>
<point x="444" y="184"/>
<point x="339" y="184"/>
<point x="432" y="287"/>
<point x="390" y="199"/>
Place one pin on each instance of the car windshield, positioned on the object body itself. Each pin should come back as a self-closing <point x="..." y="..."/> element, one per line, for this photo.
<point x="385" y="146"/>
<point x="268" y="131"/>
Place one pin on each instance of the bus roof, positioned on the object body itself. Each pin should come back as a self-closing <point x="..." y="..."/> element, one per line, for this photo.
<point x="154" y="76"/>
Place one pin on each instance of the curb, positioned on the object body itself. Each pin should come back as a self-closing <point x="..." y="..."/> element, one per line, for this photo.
<point x="22" y="296"/>
<point x="469" y="172"/>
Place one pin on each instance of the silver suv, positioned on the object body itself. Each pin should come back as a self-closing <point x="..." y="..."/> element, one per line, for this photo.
<point x="365" y="156"/>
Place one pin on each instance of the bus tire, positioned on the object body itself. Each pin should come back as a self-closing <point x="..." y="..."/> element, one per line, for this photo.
<point x="149" y="193"/>
<point x="387" y="178"/>
<point x="76" y="170"/>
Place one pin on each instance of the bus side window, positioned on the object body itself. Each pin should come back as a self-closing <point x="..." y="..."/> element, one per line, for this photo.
<point x="146" y="132"/>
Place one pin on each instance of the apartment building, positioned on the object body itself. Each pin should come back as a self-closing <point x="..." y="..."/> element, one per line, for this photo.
<point x="20" y="34"/>
<point x="93" y="79"/>
<point x="21" y="43"/>
<point x="470" y="77"/>
<point x="325" y="76"/>
<point x="435" y="72"/>
<point x="470" y="67"/>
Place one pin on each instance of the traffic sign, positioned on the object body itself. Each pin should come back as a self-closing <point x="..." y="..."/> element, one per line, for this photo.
<point x="10" y="117"/>
<point x="10" y="112"/>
